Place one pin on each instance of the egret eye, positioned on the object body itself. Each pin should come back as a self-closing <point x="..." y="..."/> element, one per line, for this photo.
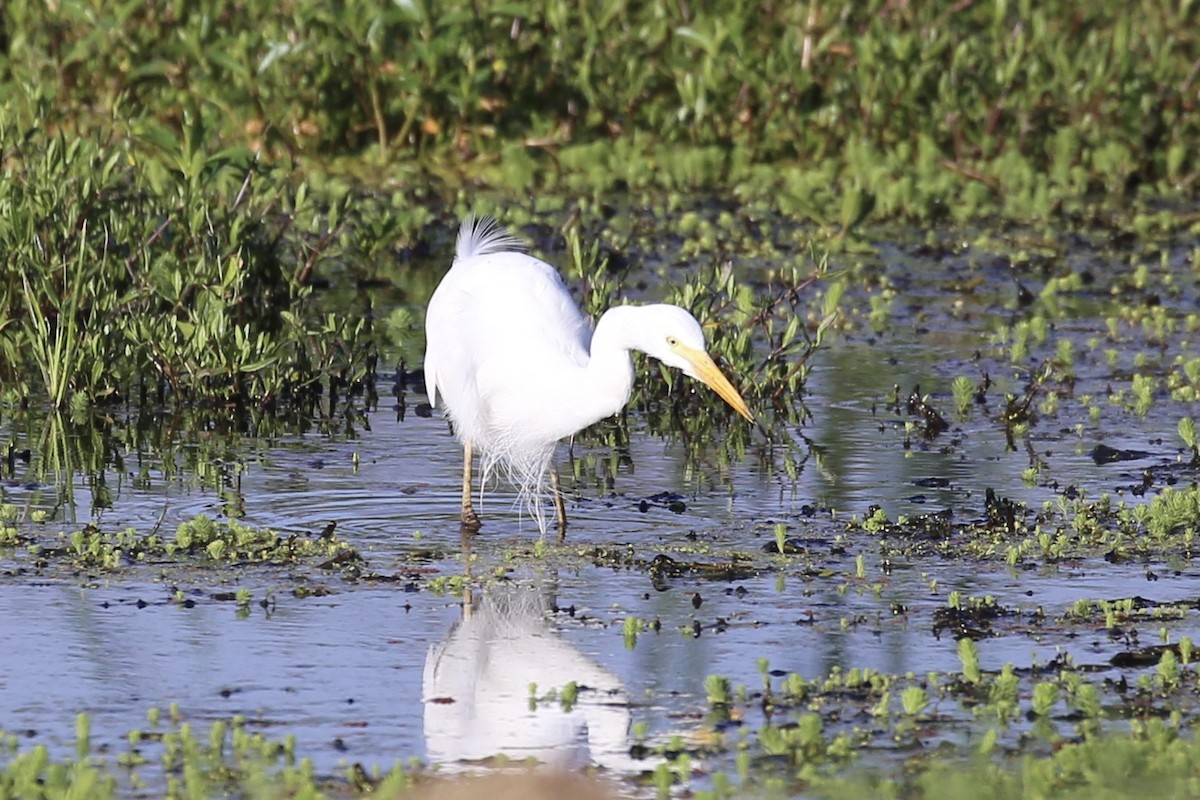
<point x="672" y="341"/>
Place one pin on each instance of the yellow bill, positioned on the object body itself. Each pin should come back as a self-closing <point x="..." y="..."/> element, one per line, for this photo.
<point x="709" y="373"/>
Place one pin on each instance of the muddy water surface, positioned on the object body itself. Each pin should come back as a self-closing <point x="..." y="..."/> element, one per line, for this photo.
<point x="377" y="671"/>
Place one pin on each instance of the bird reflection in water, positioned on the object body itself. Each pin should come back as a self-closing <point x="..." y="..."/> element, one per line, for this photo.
<point x="476" y="690"/>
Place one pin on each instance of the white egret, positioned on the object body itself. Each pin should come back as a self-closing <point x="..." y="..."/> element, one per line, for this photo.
<point x="517" y="367"/>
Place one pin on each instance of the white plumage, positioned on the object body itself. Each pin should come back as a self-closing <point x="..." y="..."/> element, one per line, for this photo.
<point x="517" y="366"/>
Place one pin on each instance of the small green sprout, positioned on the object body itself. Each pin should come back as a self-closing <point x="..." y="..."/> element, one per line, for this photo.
<point x="968" y="656"/>
<point x="1045" y="695"/>
<point x="914" y="700"/>
<point x="964" y="395"/>
<point x="718" y="690"/>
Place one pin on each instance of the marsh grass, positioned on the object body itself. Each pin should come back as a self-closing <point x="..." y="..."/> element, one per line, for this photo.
<point x="55" y="349"/>
<point x="833" y="110"/>
<point x="163" y="275"/>
<point x="765" y="333"/>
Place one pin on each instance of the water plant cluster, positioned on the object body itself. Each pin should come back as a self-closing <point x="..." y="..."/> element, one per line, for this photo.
<point x="173" y="757"/>
<point x="213" y="543"/>
<point x="764" y="327"/>
<point x="1094" y="717"/>
<point x="162" y="272"/>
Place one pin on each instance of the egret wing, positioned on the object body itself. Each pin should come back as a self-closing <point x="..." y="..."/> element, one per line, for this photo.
<point x="496" y="325"/>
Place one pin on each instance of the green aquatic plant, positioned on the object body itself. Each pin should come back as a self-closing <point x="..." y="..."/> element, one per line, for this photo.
<point x="718" y="690"/>
<point x="228" y="542"/>
<point x="876" y="522"/>
<point x="774" y="316"/>
<point x="1143" y="389"/>
<point x="453" y="585"/>
<point x="968" y="656"/>
<point x="1154" y="756"/>
<point x="1167" y="671"/>
<point x="1044" y="698"/>
<point x="1187" y="432"/>
<point x="591" y="270"/>
<point x="632" y="627"/>
<point x="569" y="696"/>
<point x="964" y="395"/>
<point x="1172" y="511"/>
<point x="914" y="700"/>
<point x="881" y="309"/>
<point x="1003" y="693"/>
<point x="54" y="342"/>
<point x="32" y="773"/>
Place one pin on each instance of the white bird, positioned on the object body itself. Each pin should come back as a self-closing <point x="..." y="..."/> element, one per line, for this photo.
<point x="517" y="367"/>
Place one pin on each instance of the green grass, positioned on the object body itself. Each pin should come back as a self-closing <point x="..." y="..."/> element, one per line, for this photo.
<point x="173" y="274"/>
<point x="834" y="109"/>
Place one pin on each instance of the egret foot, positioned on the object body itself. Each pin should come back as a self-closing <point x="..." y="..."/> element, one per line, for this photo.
<point x="470" y="520"/>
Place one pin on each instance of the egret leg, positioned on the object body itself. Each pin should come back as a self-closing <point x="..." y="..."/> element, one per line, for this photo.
<point x="560" y="508"/>
<point x="470" y="520"/>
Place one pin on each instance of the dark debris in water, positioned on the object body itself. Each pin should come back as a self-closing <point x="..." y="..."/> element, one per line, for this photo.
<point x="1103" y="454"/>
<point x="669" y="500"/>
<point x="973" y="621"/>
<point x="933" y="526"/>
<point x="919" y="406"/>
<point x="792" y="546"/>
<point x="663" y="568"/>
<point x="932" y="483"/>
<point x="1001" y="512"/>
<point x="1144" y="656"/>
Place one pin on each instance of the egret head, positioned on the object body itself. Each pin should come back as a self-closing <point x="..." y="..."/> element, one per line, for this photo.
<point x="674" y="337"/>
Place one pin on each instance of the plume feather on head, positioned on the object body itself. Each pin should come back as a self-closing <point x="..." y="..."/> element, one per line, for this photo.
<point x="481" y="235"/>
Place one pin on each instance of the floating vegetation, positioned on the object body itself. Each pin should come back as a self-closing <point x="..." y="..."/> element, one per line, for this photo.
<point x="200" y="538"/>
<point x="172" y="758"/>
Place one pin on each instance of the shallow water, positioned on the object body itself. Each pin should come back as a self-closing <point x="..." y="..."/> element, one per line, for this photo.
<point x="365" y="674"/>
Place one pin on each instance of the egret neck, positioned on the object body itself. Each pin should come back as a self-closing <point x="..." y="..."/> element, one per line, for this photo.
<point x="602" y="388"/>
